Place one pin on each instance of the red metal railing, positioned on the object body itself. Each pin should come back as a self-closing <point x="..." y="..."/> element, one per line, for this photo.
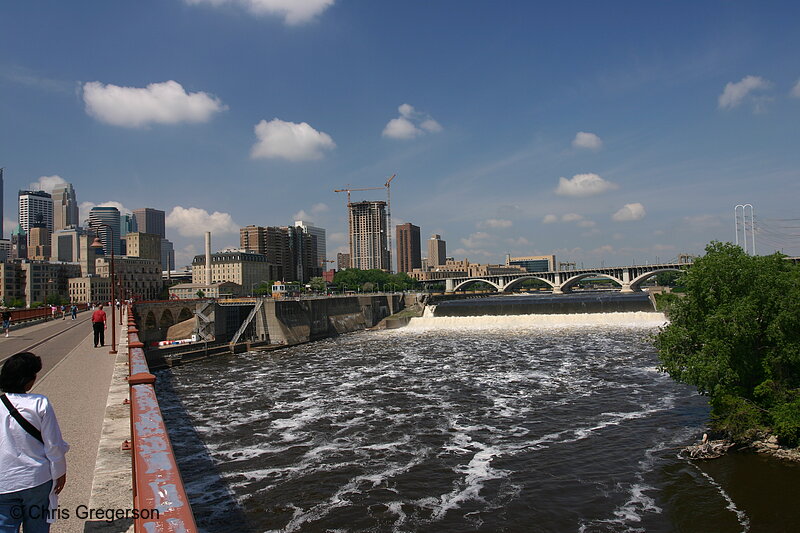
<point x="157" y="483"/>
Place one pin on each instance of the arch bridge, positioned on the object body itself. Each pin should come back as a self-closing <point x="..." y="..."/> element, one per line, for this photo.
<point x="630" y="278"/>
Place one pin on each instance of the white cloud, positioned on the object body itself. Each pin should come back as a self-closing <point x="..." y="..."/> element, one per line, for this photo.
<point x="85" y="207"/>
<point x="571" y="217"/>
<point x="584" y="185"/>
<point x="587" y="223"/>
<point x="629" y="213"/>
<point x="289" y="140"/>
<point x="462" y="252"/>
<point x="411" y="123"/>
<point x="309" y="216"/>
<point x="47" y="183"/>
<point x="476" y="239"/>
<point x="520" y="241"/>
<point x="158" y="103"/>
<point x="194" y="222"/>
<point x="550" y="219"/>
<point x="294" y="12"/>
<point x="735" y="93"/>
<point x="587" y="140"/>
<point x="495" y="223"/>
<point x="796" y="90"/>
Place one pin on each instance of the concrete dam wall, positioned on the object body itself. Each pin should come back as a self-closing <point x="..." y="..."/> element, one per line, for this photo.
<point x="588" y="302"/>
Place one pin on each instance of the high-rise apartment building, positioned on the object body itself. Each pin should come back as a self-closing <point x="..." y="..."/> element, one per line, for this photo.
<point x="2" y="199"/>
<point x="409" y="255"/>
<point x="32" y="203"/>
<point x="437" y="251"/>
<point x="150" y="220"/>
<point x="319" y="235"/>
<point x="342" y="261"/>
<point x="65" y="207"/>
<point x="109" y="238"/>
<point x="290" y="249"/>
<point x="368" y="236"/>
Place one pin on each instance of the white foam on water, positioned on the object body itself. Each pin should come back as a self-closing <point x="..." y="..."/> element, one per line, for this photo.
<point x="741" y="516"/>
<point x="639" y="320"/>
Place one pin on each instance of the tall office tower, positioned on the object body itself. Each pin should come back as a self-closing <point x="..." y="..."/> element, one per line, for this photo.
<point x="167" y="255"/>
<point x="368" y="236"/>
<point x="110" y="216"/>
<point x="65" y="207"/>
<point x="19" y="243"/>
<point x="127" y="224"/>
<point x="2" y="199"/>
<point x="39" y="240"/>
<point x="437" y="251"/>
<point x="32" y="203"/>
<point x="150" y="221"/>
<point x="409" y="255"/>
<point x="253" y="238"/>
<point x="319" y="234"/>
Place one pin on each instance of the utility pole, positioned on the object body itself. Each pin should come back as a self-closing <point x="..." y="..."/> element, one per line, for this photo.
<point x="744" y="226"/>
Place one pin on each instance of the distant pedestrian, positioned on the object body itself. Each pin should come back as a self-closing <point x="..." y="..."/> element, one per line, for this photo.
<point x="63" y="312"/>
<point x="6" y="321"/>
<point x="33" y="466"/>
<point x="74" y="311"/>
<point x="99" y="326"/>
<point x="53" y="310"/>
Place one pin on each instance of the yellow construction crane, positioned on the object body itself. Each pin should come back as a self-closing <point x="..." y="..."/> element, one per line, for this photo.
<point x="388" y="186"/>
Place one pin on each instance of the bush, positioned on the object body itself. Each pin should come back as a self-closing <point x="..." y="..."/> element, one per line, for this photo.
<point x="786" y="422"/>
<point x="737" y="418"/>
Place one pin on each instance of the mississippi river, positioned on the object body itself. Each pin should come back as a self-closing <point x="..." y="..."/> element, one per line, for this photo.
<point x="519" y="424"/>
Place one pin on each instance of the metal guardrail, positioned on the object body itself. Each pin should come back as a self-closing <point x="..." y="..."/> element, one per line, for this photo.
<point x="157" y="481"/>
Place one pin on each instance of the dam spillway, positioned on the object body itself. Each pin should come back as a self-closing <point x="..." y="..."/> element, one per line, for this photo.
<point x="547" y="304"/>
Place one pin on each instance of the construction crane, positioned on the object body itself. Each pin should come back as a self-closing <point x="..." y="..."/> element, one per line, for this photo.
<point x="388" y="186"/>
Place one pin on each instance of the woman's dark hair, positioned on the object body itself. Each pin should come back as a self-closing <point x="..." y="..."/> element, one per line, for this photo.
<point x="18" y="370"/>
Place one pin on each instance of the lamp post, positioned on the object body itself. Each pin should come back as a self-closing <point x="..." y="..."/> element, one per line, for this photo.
<point x="98" y="244"/>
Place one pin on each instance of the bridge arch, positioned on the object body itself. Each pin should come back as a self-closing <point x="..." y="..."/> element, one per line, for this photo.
<point x="185" y="314"/>
<point x="478" y="280"/>
<point x="150" y="320"/>
<point x="166" y="319"/>
<point x="574" y="280"/>
<point x="519" y="281"/>
<point x="636" y="282"/>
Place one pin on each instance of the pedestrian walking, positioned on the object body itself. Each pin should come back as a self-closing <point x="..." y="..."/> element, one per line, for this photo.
<point x="6" y="321"/>
<point x="74" y="311"/>
<point x="99" y="326"/>
<point x="63" y="312"/>
<point x="33" y="466"/>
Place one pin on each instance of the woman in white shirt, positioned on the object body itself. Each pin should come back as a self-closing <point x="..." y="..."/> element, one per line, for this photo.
<point x="33" y="469"/>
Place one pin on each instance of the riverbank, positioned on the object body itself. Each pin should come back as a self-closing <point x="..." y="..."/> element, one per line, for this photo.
<point x="714" y="449"/>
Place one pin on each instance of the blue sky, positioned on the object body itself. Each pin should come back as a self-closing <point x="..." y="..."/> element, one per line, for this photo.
<point x="601" y="132"/>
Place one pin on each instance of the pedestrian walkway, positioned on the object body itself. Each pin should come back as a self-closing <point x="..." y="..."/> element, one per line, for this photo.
<point x="76" y="378"/>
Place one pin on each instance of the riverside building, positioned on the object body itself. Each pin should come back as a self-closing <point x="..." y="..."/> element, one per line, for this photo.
<point x="368" y="236"/>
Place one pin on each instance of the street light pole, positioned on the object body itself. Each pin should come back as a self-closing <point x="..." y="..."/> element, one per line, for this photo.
<point x="98" y="244"/>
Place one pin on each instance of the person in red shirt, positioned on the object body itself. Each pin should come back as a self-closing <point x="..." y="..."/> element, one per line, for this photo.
<point x="99" y="326"/>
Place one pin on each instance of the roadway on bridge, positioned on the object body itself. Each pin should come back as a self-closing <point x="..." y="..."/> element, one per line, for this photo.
<point x="75" y="377"/>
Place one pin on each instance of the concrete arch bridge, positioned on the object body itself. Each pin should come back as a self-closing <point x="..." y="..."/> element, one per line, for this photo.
<point x="630" y="278"/>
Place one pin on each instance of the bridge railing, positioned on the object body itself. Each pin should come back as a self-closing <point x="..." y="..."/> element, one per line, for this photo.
<point x="158" y="492"/>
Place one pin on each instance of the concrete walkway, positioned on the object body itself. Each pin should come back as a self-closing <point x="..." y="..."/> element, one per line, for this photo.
<point x="76" y="378"/>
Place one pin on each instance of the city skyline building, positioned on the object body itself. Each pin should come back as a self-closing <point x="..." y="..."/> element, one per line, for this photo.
<point x="110" y="239"/>
<point x="65" y="207"/>
<point x="319" y="234"/>
<point x="32" y="203"/>
<point x="167" y="255"/>
<point x="368" y="236"/>
<point x="149" y="220"/>
<point x="2" y="200"/>
<point x="409" y="254"/>
<point x="437" y="251"/>
<point x="342" y="261"/>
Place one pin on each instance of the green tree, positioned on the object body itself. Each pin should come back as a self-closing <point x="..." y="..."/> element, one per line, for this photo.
<point x="318" y="284"/>
<point x="736" y="337"/>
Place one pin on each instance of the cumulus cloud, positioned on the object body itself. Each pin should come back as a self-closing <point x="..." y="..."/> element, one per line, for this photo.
<point x="796" y="90"/>
<point x="194" y="222"/>
<point x="476" y="240"/>
<point x="289" y="140"/>
<point x="411" y="123"/>
<point x="587" y="223"/>
<point x="47" y="183"/>
<point x="309" y="215"/>
<point x="629" y="213"/>
<point x="520" y="241"/>
<point x="495" y="223"/>
<point x="734" y="93"/>
<point x="85" y="207"/>
<point x="584" y="185"/>
<point x="550" y="219"/>
<point x="571" y="217"/>
<point x="294" y="12"/>
<point x="158" y="103"/>
<point x="587" y="140"/>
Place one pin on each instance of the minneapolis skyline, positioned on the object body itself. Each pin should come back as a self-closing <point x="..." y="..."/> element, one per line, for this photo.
<point x="598" y="133"/>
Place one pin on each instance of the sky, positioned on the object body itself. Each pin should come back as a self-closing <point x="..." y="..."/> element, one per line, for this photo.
<point x="604" y="133"/>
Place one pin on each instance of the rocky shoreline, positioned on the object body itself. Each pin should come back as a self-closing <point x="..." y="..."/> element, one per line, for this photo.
<point x="713" y="449"/>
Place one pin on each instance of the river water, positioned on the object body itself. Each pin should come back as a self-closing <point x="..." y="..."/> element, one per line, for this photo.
<point x="518" y="424"/>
